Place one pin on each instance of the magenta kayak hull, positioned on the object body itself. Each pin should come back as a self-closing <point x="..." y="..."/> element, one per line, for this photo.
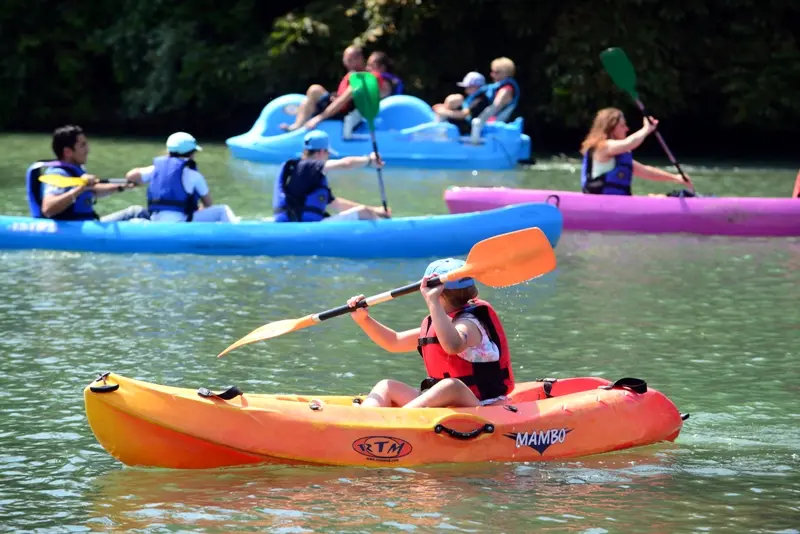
<point x="734" y="216"/>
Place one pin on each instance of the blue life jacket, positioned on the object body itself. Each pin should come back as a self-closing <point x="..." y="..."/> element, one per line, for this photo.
<point x="395" y="83"/>
<point x="491" y="91"/>
<point x="165" y="191"/>
<point x="80" y="210"/>
<point x="308" y="206"/>
<point x="617" y="181"/>
<point x="475" y="109"/>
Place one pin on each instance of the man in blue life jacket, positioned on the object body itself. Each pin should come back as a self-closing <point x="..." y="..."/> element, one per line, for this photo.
<point x="174" y="185"/>
<point x="302" y="193"/>
<point x="459" y="110"/>
<point x="47" y="201"/>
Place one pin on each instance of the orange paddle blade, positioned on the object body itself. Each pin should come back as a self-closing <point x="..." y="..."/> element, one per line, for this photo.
<point x="499" y="261"/>
<point x="270" y="330"/>
<point x="796" y="192"/>
<point x="508" y="259"/>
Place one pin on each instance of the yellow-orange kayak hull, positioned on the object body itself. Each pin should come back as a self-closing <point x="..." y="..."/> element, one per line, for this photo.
<point x="144" y="424"/>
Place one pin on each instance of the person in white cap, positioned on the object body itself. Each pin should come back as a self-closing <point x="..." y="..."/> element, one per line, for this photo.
<point x="302" y="193"/>
<point x="459" y="110"/>
<point x="174" y="185"/>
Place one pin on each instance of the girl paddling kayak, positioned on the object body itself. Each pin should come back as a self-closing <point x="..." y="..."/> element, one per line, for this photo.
<point x="462" y="343"/>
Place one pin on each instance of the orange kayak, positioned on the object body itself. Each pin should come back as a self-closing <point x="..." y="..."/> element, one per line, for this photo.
<point x="144" y="424"/>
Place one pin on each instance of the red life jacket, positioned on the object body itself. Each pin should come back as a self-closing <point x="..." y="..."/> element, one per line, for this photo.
<point x="345" y="83"/>
<point x="486" y="380"/>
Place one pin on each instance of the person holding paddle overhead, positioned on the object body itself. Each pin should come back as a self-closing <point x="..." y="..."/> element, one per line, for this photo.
<point x="175" y="186"/>
<point x="72" y="202"/>
<point x="608" y="164"/>
<point x="461" y="341"/>
<point x="302" y="193"/>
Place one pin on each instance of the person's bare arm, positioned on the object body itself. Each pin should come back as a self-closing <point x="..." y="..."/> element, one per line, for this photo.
<point x="614" y="147"/>
<point x="52" y="205"/>
<point x="653" y="173"/>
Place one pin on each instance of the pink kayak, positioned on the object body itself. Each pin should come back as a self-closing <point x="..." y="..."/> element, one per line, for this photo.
<point x="736" y="216"/>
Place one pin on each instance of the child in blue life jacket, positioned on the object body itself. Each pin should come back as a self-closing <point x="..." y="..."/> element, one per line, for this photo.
<point x="302" y="193"/>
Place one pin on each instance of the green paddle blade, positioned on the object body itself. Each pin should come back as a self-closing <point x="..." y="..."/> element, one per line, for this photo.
<point x="621" y="70"/>
<point x="366" y="95"/>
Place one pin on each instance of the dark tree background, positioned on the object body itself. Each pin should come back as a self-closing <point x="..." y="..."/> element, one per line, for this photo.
<point x="723" y="76"/>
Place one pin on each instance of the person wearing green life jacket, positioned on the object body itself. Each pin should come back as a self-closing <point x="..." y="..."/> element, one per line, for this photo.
<point x="71" y="148"/>
<point x="319" y="100"/>
<point x="302" y="193"/>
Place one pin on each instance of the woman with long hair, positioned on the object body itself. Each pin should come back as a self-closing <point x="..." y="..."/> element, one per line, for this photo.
<point x="608" y="164"/>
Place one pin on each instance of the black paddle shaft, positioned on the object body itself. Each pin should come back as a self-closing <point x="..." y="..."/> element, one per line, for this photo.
<point x="663" y="143"/>
<point x="375" y="299"/>
<point x="380" y="174"/>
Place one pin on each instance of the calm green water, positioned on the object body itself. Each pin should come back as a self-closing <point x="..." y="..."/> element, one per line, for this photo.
<point x="712" y="322"/>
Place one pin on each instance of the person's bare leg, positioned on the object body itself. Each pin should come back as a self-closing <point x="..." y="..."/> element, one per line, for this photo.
<point x="366" y="214"/>
<point x="390" y="393"/>
<point x="454" y="101"/>
<point x="306" y="109"/>
<point x="448" y="392"/>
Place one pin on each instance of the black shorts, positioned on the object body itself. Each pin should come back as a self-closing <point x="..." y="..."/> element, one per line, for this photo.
<point x="325" y="101"/>
<point x="464" y="125"/>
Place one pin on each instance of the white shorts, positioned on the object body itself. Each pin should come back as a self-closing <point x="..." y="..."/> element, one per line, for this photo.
<point x="493" y="400"/>
<point x="215" y="213"/>
<point x="346" y="215"/>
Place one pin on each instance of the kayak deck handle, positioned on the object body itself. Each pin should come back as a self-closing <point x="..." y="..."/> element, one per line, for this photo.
<point x="637" y="385"/>
<point x="556" y="198"/>
<point x="229" y="394"/>
<point x="488" y="428"/>
<point x="105" y="387"/>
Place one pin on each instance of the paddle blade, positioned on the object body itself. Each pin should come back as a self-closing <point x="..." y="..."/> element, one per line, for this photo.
<point x="366" y="95"/>
<point x="61" y="181"/>
<point x="271" y="330"/>
<point x="621" y="70"/>
<point x="508" y="259"/>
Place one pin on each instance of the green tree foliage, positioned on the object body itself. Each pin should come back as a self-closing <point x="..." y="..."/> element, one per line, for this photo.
<point x="146" y="65"/>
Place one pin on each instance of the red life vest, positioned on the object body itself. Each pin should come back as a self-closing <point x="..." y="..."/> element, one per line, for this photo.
<point x="486" y="380"/>
<point x="345" y="83"/>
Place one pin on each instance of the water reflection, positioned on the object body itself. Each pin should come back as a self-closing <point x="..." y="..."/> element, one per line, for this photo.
<point x="465" y="497"/>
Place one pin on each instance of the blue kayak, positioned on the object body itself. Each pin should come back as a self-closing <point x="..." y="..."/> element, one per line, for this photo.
<point x="402" y="237"/>
<point x="406" y="130"/>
